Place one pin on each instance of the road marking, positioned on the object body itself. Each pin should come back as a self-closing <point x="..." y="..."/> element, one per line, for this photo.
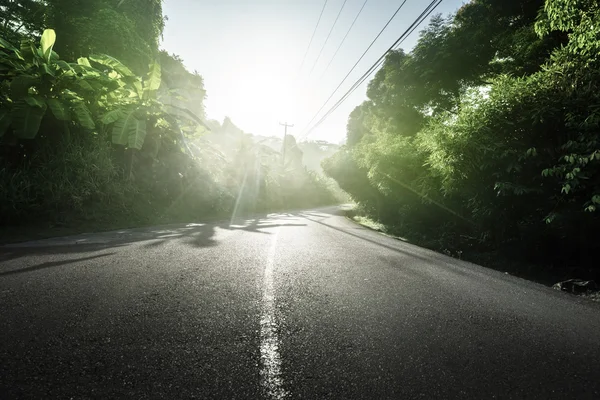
<point x="270" y="370"/>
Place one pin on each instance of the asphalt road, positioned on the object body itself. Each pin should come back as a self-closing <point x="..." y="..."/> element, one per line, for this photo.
<point x="301" y="305"/>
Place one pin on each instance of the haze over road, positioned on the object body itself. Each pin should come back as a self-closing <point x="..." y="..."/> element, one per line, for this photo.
<point x="300" y="305"/>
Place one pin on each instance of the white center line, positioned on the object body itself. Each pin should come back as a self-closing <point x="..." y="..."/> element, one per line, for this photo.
<point x="270" y="370"/>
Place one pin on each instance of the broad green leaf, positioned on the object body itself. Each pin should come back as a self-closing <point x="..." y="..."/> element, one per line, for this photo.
<point x="35" y="101"/>
<point x="137" y="134"/>
<point x="47" y="43"/>
<point x="54" y="56"/>
<point x="64" y="65"/>
<point x="138" y="89"/>
<point x="82" y="115"/>
<point x="6" y="45"/>
<point x="59" y="110"/>
<point x="84" y="85"/>
<point x="28" y="51"/>
<point x="153" y="79"/>
<point x="112" y="116"/>
<point x="84" y="61"/>
<point x="26" y="120"/>
<point x="5" y="120"/>
<point x="122" y="128"/>
<point x="113" y="63"/>
<point x="47" y="70"/>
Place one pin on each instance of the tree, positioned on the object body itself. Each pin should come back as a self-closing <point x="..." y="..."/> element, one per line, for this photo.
<point x="494" y="116"/>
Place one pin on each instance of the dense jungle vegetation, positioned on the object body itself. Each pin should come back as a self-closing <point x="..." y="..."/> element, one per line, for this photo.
<point x="99" y="128"/>
<point x="483" y="141"/>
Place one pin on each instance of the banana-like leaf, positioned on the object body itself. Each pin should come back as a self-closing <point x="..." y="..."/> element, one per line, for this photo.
<point x="112" y="116"/>
<point x="121" y="129"/>
<point x="84" y="61"/>
<point x="113" y="63"/>
<point x="59" y="110"/>
<point x="138" y="88"/>
<point x="138" y="134"/>
<point x="84" y="85"/>
<point x="35" y="101"/>
<point x="5" y="120"/>
<point x="153" y="79"/>
<point x="47" y="70"/>
<point x="28" y="51"/>
<point x="83" y="115"/>
<point x="129" y="131"/>
<point x="47" y="43"/>
<point x="6" y="45"/>
<point x="26" y="119"/>
<point x="64" y="65"/>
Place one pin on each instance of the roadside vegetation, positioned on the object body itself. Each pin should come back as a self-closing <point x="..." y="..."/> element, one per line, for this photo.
<point x="100" y="129"/>
<point x="483" y="141"/>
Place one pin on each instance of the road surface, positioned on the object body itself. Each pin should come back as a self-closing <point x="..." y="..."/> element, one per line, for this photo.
<point x="305" y="305"/>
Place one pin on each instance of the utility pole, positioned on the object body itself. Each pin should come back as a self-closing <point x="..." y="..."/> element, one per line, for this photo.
<point x="286" y="126"/>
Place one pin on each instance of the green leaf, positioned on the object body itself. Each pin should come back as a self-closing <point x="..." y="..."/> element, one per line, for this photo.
<point x="129" y="131"/>
<point x="47" y="43"/>
<point x="112" y="116"/>
<point x="137" y="135"/>
<point x="84" y="61"/>
<point x="27" y="120"/>
<point x="28" y="51"/>
<point x="64" y="65"/>
<point x="121" y="129"/>
<point x="6" y="45"/>
<point x="113" y="63"/>
<point x="35" y="101"/>
<point x="153" y="79"/>
<point x="83" y="115"/>
<point x="5" y="120"/>
<point x="47" y="70"/>
<point x="138" y="88"/>
<point x="84" y="85"/>
<point x="54" y="56"/>
<point x="60" y="111"/>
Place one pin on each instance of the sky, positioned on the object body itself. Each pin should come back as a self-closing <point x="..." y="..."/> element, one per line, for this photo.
<point x="250" y="54"/>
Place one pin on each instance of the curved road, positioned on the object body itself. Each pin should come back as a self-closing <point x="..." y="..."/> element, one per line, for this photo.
<point x="301" y="305"/>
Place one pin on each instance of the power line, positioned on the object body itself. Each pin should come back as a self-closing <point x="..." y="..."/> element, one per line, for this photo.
<point x="313" y="35"/>
<point x="328" y="35"/>
<point x="354" y="66"/>
<point x="432" y="6"/>
<point x="344" y="39"/>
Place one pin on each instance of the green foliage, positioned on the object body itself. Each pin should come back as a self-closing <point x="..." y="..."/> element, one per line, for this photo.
<point x="128" y="31"/>
<point x="34" y="79"/>
<point x="496" y="136"/>
<point x="97" y="140"/>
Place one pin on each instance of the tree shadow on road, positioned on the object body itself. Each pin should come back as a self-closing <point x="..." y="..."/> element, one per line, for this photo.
<point x="197" y="235"/>
<point x="52" y="264"/>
